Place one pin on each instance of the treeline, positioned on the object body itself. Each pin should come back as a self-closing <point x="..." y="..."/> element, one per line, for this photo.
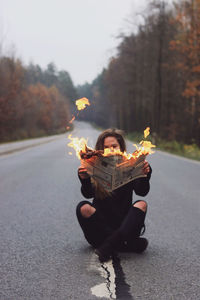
<point x="33" y="102"/>
<point x="154" y="80"/>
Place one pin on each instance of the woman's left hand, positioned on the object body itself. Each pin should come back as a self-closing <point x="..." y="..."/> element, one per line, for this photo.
<point x="146" y="167"/>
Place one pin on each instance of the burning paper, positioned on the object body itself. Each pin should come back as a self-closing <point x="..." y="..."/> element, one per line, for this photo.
<point x="113" y="171"/>
<point x="112" y="168"/>
<point x="81" y="103"/>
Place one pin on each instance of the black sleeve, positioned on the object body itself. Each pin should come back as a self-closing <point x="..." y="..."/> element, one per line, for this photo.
<point x="141" y="185"/>
<point x="87" y="189"/>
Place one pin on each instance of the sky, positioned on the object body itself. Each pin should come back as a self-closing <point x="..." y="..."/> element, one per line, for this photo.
<point x="79" y="36"/>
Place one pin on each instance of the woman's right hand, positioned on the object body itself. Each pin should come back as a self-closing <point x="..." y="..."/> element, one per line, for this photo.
<point x="82" y="172"/>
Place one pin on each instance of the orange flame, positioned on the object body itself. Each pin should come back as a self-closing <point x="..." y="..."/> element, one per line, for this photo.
<point x="81" y="103"/>
<point x="146" y="132"/>
<point x="144" y="148"/>
<point x="72" y="119"/>
<point x="77" y="144"/>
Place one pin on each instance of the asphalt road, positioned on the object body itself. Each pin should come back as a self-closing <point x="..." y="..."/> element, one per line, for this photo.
<point x="43" y="254"/>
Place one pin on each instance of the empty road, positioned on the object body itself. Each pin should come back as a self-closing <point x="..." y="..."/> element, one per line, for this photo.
<point x="43" y="254"/>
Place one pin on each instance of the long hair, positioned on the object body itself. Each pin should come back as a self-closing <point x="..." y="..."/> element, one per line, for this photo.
<point x="100" y="192"/>
<point x="118" y="134"/>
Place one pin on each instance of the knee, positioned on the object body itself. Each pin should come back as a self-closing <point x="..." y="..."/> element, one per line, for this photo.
<point x="87" y="210"/>
<point x="141" y="205"/>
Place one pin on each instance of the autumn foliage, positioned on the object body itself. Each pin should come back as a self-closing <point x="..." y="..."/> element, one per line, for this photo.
<point x="154" y="80"/>
<point x="29" y="108"/>
<point x="186" y="47"/>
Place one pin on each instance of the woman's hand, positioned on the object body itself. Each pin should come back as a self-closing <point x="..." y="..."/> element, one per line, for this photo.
<point x="146" y="167"/>
<point x="82" y="171"/>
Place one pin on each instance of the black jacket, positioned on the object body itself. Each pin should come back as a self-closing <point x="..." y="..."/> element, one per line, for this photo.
<point x="115" y="206"/>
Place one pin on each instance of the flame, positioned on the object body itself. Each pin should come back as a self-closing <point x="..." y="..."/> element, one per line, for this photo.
<point x="81" y="103"/>
<point x="77" y="144"/>
<point x="111" y="151"/>
<point x="144" y="148"/>
<point x="73" y="118"/>
<point x="146" y="132"/>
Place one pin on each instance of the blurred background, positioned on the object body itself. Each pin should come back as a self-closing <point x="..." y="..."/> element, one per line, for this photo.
<point x="138" y="63"/>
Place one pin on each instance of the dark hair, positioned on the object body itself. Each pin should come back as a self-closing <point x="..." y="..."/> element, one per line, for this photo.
<point x="118" y="134"/>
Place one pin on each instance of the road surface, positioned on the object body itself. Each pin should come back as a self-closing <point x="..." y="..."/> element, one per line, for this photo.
<point x="43" y="254"/>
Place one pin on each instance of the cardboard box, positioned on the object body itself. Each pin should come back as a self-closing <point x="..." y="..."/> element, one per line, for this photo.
<point x="114" y="171"/>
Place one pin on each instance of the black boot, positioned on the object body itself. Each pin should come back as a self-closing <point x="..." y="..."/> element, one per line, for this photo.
<point x="138" y="245"/>
<point x="131" y="229"/>
<point x="106" y="250"/>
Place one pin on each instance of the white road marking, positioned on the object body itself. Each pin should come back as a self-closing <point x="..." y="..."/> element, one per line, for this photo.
<point x="106" y="270"/>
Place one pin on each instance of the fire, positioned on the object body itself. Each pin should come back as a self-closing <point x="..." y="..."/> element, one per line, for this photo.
<point x="144" y="148"/>
<point x="111" y="151"/>
<point x="73" y="118"/>
<point x="81" y="103"/>
<point x="77" y="144"/>
<point x="146" y="132"/>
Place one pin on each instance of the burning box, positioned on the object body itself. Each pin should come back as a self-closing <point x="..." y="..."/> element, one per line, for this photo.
<point x="114" y="171"/>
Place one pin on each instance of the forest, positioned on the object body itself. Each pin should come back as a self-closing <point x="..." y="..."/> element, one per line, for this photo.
<point x="153" y="80"/>
<point x="33" y="102"/>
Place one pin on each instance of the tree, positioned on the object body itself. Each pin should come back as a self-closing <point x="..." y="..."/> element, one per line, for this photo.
<point x="50" y="75"/>
<point x="187" y="47"/>
<point x="33" y="74"/>
<point x="27" y="107"/>
<point x="11" y="86"/>
<point x="65" y="85"/>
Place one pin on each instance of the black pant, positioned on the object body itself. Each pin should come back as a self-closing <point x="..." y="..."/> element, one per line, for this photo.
<point x="96" y="230"/>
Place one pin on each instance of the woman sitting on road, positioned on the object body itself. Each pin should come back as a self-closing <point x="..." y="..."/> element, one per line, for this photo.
<point x="111" y="222"/>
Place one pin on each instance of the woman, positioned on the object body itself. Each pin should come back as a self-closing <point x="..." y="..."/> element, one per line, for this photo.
<point x="111" y="222"/>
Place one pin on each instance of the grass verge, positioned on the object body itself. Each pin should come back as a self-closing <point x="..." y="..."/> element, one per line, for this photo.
<point x="191" y="151"/>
